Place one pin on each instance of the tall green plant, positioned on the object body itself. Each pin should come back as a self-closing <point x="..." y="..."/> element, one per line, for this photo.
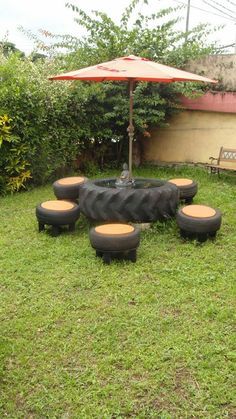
<point x="14" y="167"/>
<point x="46" y="116"/>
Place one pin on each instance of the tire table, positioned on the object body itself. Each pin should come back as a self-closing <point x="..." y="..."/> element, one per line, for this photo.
<point x="68" y="187"/>
<point x="101" y="202"/>
<point x="198" y="221"/>
<point x="57" y="214"/>
<point x="187" y="188"/>
<point x="115" y="240"/>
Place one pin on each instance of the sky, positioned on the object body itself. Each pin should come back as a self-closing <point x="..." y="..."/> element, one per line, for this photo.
<point x="53" y="16"/>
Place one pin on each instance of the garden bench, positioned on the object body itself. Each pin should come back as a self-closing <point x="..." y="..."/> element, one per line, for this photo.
<point x="226" y="155"/>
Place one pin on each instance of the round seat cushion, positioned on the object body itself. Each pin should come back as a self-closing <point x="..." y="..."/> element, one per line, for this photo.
<point x="68" y="187"/>
<point x="181" y="182"/>
<point x="200" y="219"/>
<point x="57" y="205"/>
<point x="57" y="212"/>
<point x="187" y="188"/>
<point x="117" y="229"/>
<point x="71" y="180"/>
<point x="198" y="211"/>
<point x="114" y="237"/>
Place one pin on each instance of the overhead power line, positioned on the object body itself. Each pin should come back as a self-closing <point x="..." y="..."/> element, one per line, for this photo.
<point x="226" y="46"/>
<point x="216" y="8"/>
<point x="222" y="6"/>
<point x="206" y="11"/>
<point x="231" y="2"/>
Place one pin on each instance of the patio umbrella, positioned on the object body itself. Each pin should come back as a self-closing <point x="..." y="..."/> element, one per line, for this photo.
<point x="131" y="69"/>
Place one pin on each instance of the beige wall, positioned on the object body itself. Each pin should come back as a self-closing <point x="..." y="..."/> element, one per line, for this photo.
<point x="192" y="136"/>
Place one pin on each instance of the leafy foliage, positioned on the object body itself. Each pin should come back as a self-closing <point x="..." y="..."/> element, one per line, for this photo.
<point x="13" y="163"/>
<point x="8" y="48"/>
<point x="45" y="116"/>
<point x="59" y="123"/>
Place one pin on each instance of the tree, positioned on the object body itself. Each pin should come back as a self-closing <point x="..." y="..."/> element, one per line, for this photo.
<point x="8" y="48"/>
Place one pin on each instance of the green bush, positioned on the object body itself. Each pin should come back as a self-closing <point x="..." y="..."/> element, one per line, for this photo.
<point x="45" y="116"/>
<point x="14" y="167"/>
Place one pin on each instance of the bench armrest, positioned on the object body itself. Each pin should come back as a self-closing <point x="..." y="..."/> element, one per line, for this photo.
<point x="213" y="158"/>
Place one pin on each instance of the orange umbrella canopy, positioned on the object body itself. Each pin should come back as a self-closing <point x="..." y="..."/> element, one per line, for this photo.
<point x="132" y="69"/>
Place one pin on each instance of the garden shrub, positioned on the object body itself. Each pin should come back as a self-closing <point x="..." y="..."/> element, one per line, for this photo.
<point x="45" y="116"/>
<point x="14" y="167"/>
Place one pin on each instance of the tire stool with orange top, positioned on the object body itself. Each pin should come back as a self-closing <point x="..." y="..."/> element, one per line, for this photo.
<point x="115" y="240"/>
<point x="68" y="187"/>
<point x="198" y="221"/>
<point x="57" y="214"/>
<point x="187" y="188"/>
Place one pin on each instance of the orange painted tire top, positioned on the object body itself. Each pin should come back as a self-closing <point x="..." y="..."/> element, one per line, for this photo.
<point x="71" y="180"/>
<point x="198" y="211"/>
<point x="57" y="205"/>
<point x="181" y="182"/>
<point x="114" y="229"/>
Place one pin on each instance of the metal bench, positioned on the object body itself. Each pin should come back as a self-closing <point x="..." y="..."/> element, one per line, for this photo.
<point x="226" y="155"/>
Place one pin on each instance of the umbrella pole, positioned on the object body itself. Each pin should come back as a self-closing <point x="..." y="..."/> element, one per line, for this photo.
<point x="130" y="128"/>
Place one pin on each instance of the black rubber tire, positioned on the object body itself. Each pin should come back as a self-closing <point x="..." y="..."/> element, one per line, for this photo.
<point x="69" y="192"/>
<point x="138" y="205"/>
<point x="187" y="192"/>
<point x="57" y="218"/>
<point x="207" y="225"/>
<point x="114" y="242"/>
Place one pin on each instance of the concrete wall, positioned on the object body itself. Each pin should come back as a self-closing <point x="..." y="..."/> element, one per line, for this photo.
<point x="192" y="136"/>
<point x="219" y="67"/>
<point x="214" y="102"/>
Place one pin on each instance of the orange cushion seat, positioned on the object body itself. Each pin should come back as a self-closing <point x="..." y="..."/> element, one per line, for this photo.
<point x="199" y="211"/>
<point x="115" y="229"/>
<point x="57" y="213"/>
<point x="57" y="205"/>
<point x="198" y="221"/>
<point x="69" y="187"/>
<point x="71" y="180"/>
<point x="115" y="238"/>
<point x="181" y="181"/>
<point x="187" y="188"/>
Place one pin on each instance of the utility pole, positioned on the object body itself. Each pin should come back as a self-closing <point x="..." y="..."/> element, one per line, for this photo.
<point x="187" y="21"/>
<point x="235" y="40"/>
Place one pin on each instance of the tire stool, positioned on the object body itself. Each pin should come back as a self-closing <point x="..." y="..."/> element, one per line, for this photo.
<point x="187" y="188"/>
<point x="68" y="187"/>
<point x="57" y="214"/>
<point x="198" y="221"/>
<point x="115" y="240"/>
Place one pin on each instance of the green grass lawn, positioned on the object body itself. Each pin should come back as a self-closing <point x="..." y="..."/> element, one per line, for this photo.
<point x="80" y="339"/>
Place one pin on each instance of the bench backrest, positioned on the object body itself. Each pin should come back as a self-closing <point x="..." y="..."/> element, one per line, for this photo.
<point x="227" y="154"/>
